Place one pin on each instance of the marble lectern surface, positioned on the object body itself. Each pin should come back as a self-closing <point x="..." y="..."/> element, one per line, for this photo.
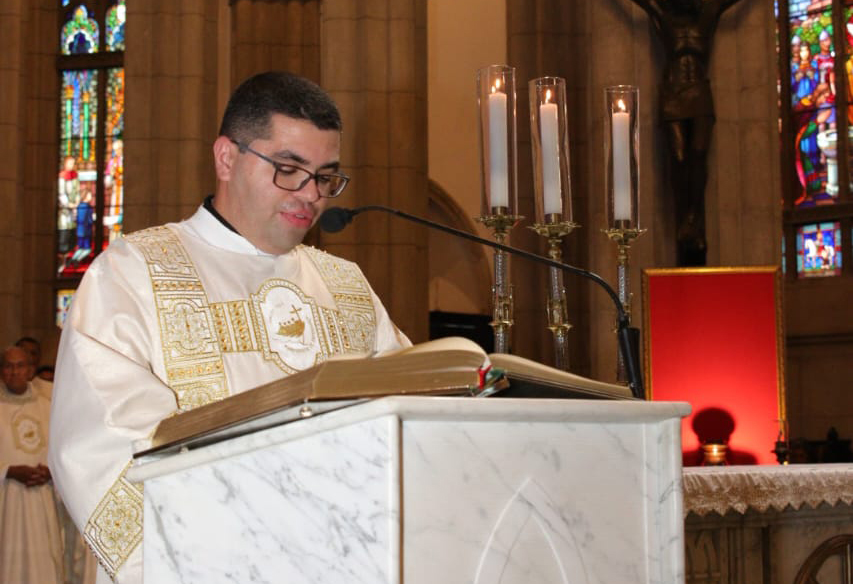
<point x="415" y="490"/>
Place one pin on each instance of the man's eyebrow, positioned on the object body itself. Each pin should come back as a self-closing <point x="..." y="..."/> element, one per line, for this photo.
<point x="290" y="155"/>
<point x="335" y="166"/>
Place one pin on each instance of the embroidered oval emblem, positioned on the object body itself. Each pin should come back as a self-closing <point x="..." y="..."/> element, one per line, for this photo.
<point x="27" y="432"/>
<point x="289" y="318"/>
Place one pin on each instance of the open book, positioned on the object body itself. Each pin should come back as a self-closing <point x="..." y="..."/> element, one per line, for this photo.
<point x="449" y="366"/>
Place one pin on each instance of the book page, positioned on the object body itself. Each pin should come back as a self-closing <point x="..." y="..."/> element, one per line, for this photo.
<point x="443" y="344"/>
<point x="513" y="364"/>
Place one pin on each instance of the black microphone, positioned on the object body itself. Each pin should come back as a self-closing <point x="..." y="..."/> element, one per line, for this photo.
<point x="335" y="219"/>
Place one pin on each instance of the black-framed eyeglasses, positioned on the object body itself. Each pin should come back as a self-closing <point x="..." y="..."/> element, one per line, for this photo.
<point x="293" y="178"/>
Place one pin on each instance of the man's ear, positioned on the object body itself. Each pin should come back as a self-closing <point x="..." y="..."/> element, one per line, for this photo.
<point x="224" y="154"/>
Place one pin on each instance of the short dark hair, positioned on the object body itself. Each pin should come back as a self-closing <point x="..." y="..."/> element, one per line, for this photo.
<point x="247" y="115"/>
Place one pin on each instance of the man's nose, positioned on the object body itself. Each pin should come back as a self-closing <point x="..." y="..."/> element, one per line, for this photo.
<point x="310" y="191"/>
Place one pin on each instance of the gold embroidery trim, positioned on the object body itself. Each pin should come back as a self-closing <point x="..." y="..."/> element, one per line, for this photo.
<point x="189" y="330"/>
<point x="115" y="526"/>
<point x="236" y="326"/>
<point x="352" y="328"/>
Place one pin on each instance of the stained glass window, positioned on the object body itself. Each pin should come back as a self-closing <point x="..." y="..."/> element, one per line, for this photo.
<point x="801" y="6"/>
<point x="813" y="91"/>
<point x="114" y="161"/>
<point x="816" y="122"/>
<point x="90" y="165"/>
<point x="80" y="34"/>
<point x="115" y="27"/>
<point x="819" y="249"/>
<point x="848" y="71"/>
<point x="77" y="170"/>
<point x="63" y="305"/>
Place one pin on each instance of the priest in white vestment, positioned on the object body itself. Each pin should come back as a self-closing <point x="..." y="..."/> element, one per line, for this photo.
<point x="177" y="316"/>
<point x="30" y="535"/>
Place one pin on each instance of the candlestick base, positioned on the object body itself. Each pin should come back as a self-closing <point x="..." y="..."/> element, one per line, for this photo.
<point x="502" y="301"/>
<point x="556" y="230"/>
<point x="623" y="235"/>
<point x="500" y="222"/>
<point x="556" y="305"/>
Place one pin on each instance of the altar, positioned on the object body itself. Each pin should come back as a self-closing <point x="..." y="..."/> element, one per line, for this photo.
<point x="423" y="490"/>
<point x="769" y="524"/>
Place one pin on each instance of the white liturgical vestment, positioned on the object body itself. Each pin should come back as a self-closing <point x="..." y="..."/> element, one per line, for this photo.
<point x="30" y="536"/>
<point x="174" y="317"/>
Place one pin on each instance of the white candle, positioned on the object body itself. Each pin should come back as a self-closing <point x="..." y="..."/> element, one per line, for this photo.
<point x="549" y="135"/>
<point x="621" y="165"/>
<point x="498" y="179"/>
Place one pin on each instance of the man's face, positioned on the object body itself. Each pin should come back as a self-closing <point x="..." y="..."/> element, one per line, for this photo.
<point x="16" y="370"/>
<point x="272" y="219"/>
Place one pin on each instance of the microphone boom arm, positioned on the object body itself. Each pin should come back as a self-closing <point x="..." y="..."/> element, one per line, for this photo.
<point x="627" y="336"/>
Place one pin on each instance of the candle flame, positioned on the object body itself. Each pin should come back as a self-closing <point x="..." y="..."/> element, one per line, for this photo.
<point x="621" y="105"/>
<point x="496" y="86"/>
<point x="547" y="95"/>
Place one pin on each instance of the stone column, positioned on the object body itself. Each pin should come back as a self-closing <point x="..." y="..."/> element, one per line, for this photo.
<point x="28" y="137"/>
<point x="12" y="126"/>
<point x="275" y="35"/>
<point x="40" y="157"/>
<point x="622" y="51"/>
<point x="171" y="119"/>
<point x="743" y="209"/>
<point x="547" y="37"/>
<point x="373" y="62"/>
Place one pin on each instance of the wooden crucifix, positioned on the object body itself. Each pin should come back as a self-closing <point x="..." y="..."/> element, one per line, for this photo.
<point x="686" y="29"/>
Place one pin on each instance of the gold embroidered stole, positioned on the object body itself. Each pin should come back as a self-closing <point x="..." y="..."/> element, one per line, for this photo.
<point x="191" y="351"/>
<point x="194" y="335"/>
<point x="354" y="326"/>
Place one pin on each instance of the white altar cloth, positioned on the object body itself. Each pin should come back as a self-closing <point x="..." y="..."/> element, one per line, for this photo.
<point x="722" y="489"/>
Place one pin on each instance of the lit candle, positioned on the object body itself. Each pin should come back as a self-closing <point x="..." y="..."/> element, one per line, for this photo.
<point x="621" y="164"/>
<point x="549" y="134"/>
<point x="498" y="179"/>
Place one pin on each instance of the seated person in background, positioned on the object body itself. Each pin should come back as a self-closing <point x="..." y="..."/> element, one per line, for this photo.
<point x="140" y="343"/>
<point x="30" y="536"/>
<point x="44" y="372"/>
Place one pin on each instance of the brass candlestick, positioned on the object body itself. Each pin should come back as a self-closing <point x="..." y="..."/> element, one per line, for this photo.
<point x="500" y="222"/>
<point x="558" y="318"/>
<point x="622" y="187"/>
<point x="499" y="200"/>
<point x="549" y="138"/>
<point x="622" y="234"/>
